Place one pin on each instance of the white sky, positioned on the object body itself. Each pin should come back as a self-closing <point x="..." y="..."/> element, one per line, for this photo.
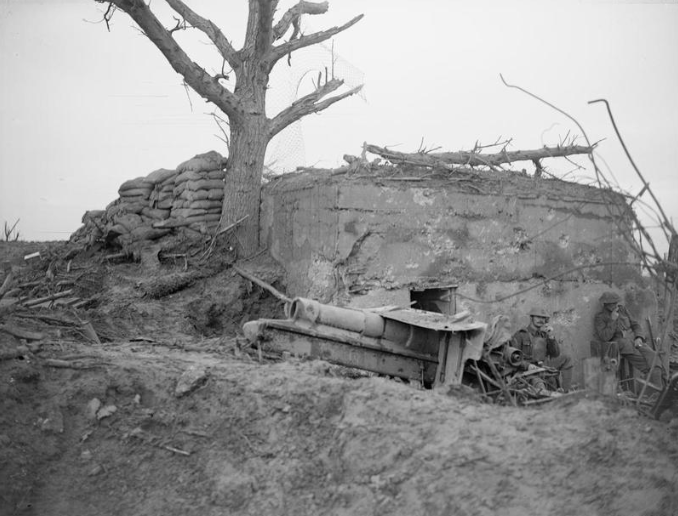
<point x="82" y="109"/>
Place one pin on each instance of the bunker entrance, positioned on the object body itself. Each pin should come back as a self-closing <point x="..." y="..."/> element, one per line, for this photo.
<point x="441" y="300"/>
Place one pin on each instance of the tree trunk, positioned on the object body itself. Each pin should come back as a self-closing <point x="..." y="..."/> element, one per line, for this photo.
<point x="247" y="151"/>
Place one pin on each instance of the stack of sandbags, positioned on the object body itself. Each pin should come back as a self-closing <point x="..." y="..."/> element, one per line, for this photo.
<point x="135" y="195"/>
<point x="127" y="227"/>
<point x="139" y="206"/>
<point x="162" y="194"/>
<point x="93" y="228"/>
<point x="149" y="207"/>
<point x="199" y="192"/>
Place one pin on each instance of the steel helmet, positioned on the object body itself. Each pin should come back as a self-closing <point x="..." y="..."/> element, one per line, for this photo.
<point x="538" y="311"/>
<point x="610" y="297"/>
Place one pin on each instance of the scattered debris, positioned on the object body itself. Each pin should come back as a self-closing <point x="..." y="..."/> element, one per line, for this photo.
<point x="93" y="408"/>
<point x="193" y="378"/>
<point x="106" y="411"/>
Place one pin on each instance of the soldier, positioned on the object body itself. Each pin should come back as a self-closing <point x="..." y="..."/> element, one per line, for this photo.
<point x="539" y="345"/>
<point x="614" y="324"/>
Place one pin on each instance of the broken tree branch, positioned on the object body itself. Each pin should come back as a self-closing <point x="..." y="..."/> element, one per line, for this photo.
<point x="308" y="104"/>
<point x="262" y="284"/>
<point x="40" y="300"/>
<point x="473" y="159"/>
<point x="293" y="15"/>
<point x="276" y="53"/>
<point x="7" y="284"/>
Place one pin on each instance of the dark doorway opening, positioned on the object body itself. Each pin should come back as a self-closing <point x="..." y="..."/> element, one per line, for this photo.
<point x="442" y="300"/>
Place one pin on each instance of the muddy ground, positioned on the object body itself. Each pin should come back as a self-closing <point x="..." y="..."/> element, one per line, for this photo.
<point x="106" y="428"/>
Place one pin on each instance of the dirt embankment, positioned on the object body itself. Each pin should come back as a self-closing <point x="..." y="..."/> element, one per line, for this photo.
<point x="90" y="428"/>
<point x="294" y="438"/>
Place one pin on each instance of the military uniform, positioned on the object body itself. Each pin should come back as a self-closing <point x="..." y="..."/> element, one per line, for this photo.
<point x="623" y="330"/>
<point x="537" y="347"/>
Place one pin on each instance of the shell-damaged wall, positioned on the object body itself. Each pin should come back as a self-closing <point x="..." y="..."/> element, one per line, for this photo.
<point x="368" y="242"/>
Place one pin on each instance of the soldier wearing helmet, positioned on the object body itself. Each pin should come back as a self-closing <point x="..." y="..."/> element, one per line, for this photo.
<point x="613" y="323"/>
<point x="539" y="345"/>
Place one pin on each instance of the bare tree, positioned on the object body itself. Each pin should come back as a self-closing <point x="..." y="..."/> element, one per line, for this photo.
<point x="245" y="104"/>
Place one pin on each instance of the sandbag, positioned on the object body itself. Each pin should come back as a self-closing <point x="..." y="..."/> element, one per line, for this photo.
<point x="167" y="188"/>
<point x="189" y="175"/>
<point x="148" y="233"/>
<point x="215" y="194"/>
<point x="138" y="182"/>
<point x="129" y="221"/>
<point x="211" y="160"/>
<point x="177" y="204"/>
<point x="160" y="175"/>
<point x="155" y="213"/>
<point x="168" y="182"/>
<point x="190" y="195"/>
<point x="206" y="205"/>
<point x="93" y="215"/>
<point x="114" y="209"/>
<point x="204" y="184"/>
<point x="216" y="174"/>
<point x="134" y="207"/>
<point x="115" y="230"/>
<point x="135" y="194"/>
<point x="188" y="212"/>
<point x="207" y="217"/>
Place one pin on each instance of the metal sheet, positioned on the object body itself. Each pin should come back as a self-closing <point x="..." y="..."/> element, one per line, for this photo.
<point x="434" y="321"/>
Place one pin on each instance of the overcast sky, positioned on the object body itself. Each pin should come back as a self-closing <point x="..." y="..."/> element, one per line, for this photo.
<point x="83" y="109"/>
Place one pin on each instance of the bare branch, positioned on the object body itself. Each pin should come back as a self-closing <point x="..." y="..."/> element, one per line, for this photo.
<point x="210" y="29"/>
<point x="218" y="120"/>
<point x="196" y="77"/>
<point x="646" y="185"/>
<point x="223" y="75"/>
<point x="108" y="15"/>
<point x="471" y="158"/>
<point x="305" y="41"/>
<point x="293" y="15"/>
<point x="308" y="104"/>
<point x="181" y="25"/>
<point x="188" y="95"/>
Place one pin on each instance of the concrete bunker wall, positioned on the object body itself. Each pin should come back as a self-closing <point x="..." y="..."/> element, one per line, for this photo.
<point x="366" y="242"/>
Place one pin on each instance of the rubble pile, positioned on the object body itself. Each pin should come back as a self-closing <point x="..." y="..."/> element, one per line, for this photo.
<point x="188" y="199"/>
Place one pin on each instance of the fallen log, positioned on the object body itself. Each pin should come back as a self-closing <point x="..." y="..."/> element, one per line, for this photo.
<point x="20" y="333"/>
<point x="477" y="159"/>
